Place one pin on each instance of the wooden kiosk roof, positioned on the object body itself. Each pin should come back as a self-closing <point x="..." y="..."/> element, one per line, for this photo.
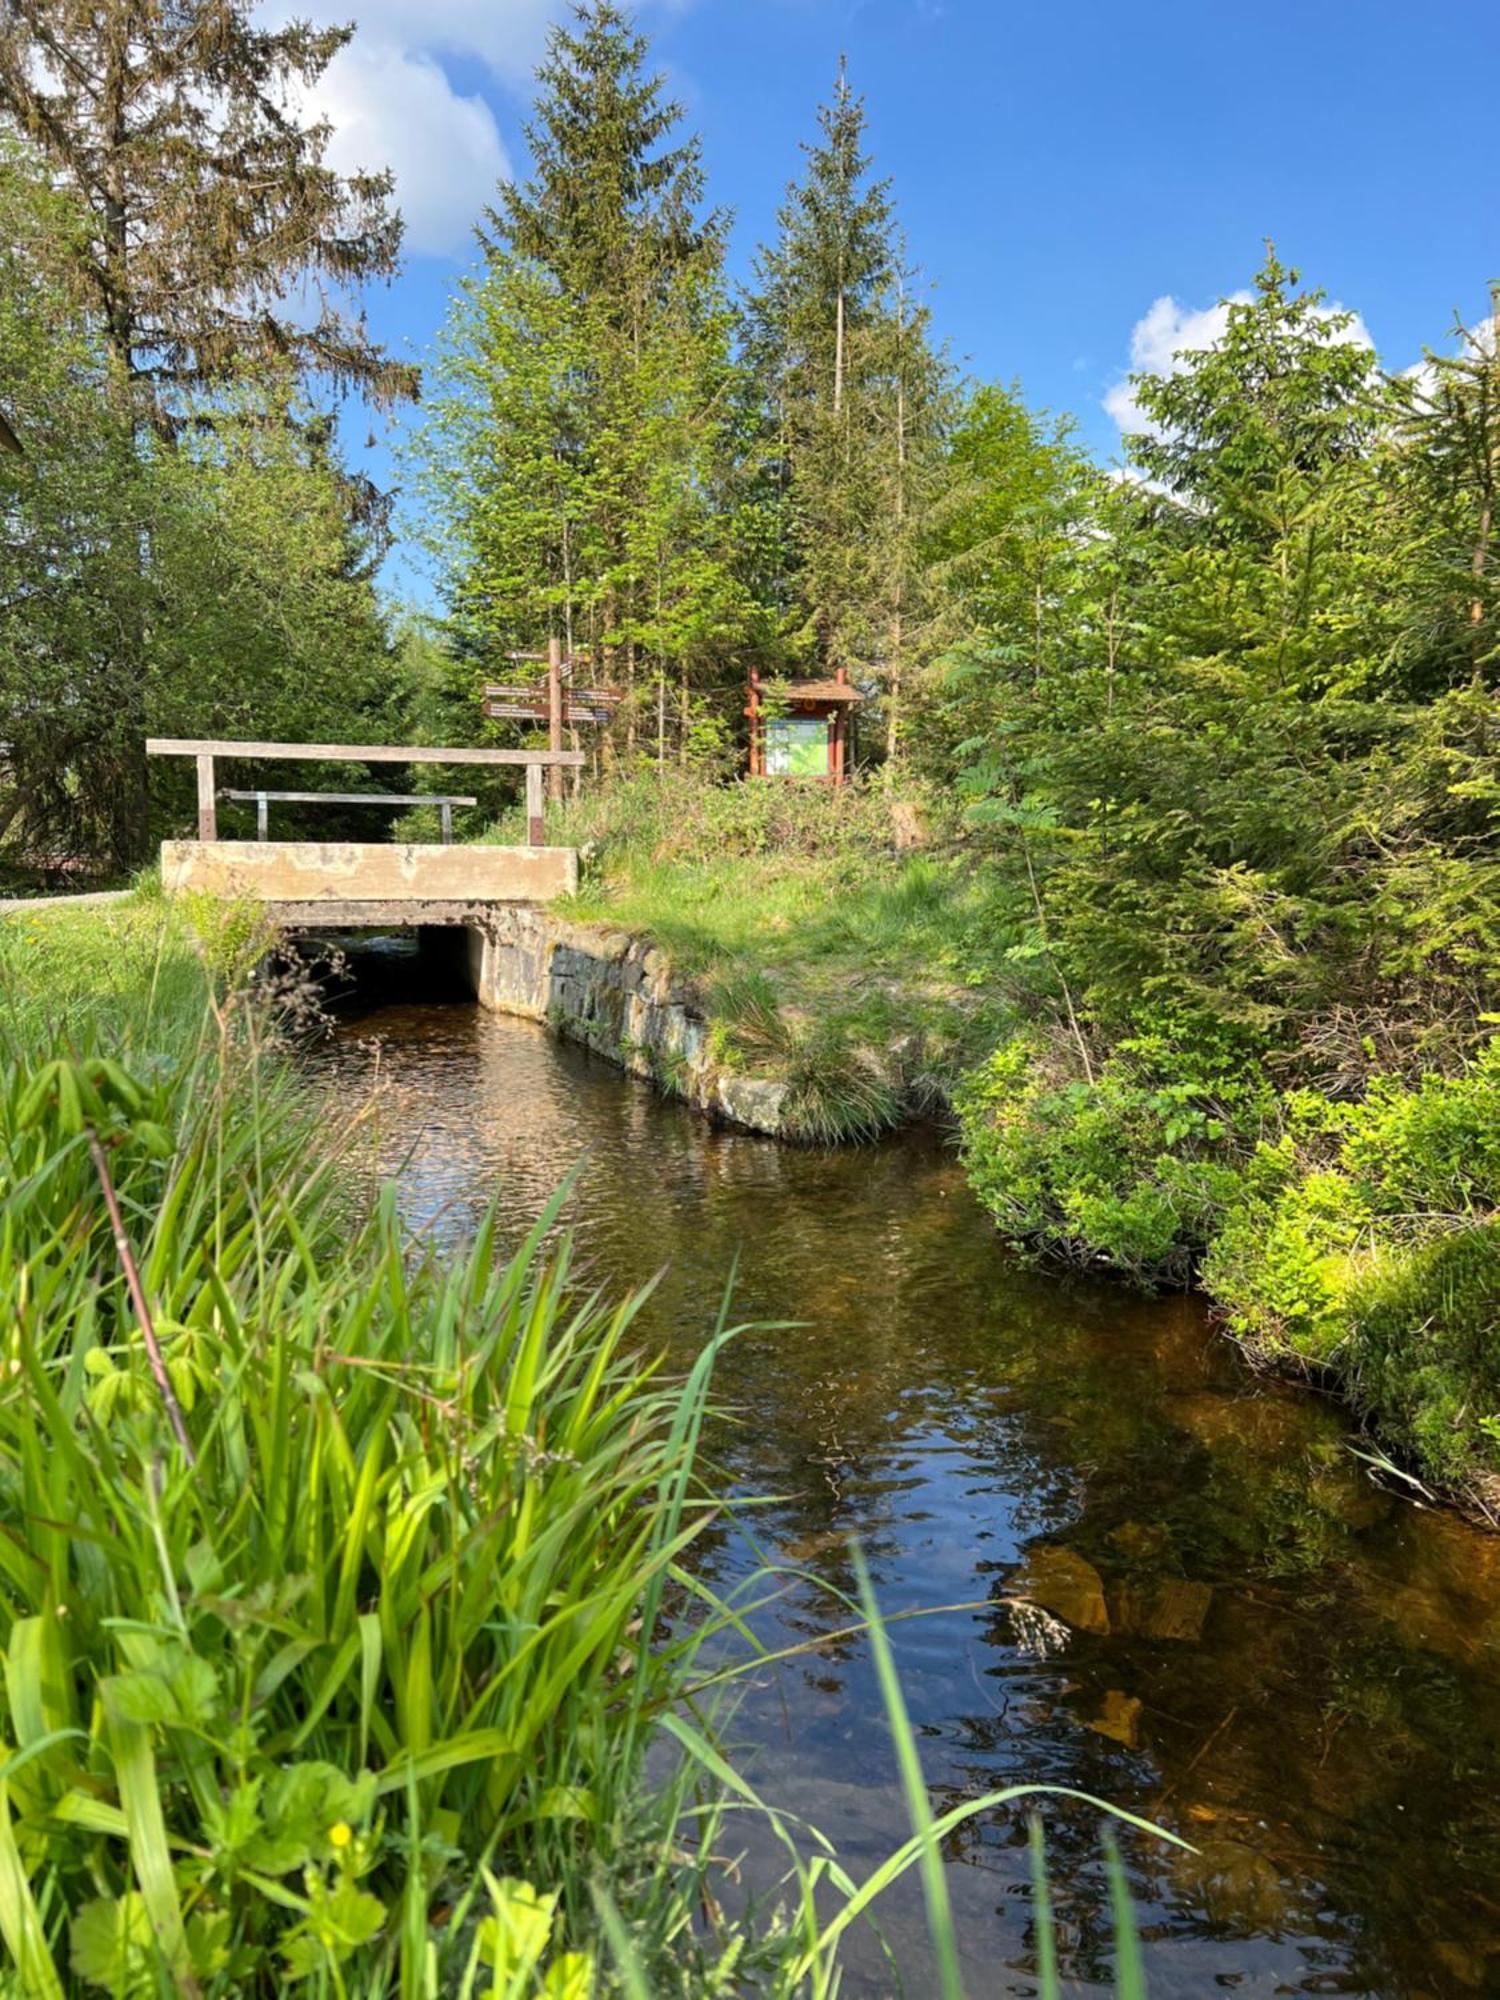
<point x="810" y="690"/>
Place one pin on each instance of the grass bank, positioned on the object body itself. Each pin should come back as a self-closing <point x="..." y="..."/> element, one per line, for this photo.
<point x="841" y="946"/>
<point x="868" y="948"/>
<point x="344" y="1593"/>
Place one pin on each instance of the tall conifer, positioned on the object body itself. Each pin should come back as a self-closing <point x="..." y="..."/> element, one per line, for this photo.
<point x="203" y="200"/>
<point x="578" y="443"/>
<point x="853" y="395"/>
<point x="208" y="198"/>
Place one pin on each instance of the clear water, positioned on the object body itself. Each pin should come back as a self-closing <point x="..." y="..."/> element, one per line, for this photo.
<point x="1293" y="1669"/>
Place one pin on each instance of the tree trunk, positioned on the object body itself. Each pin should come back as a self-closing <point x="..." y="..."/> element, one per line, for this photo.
<point x="898" y="609"/>
<point x="130" y="814"/>
<point x="838" y="353"/>
<point x="1489" y="444"/>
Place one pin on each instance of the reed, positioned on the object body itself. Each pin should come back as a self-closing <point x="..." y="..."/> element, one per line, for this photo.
<point x="376" y="1632"/>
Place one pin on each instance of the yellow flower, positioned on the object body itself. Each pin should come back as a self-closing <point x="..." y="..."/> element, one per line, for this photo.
<point x="340" y="1834"/>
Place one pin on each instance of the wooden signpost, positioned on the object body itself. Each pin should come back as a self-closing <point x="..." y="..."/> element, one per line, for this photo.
<point x="557" y="703"/>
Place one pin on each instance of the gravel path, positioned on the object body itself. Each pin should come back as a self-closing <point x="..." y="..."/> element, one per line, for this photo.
<point x="14" y="906"/>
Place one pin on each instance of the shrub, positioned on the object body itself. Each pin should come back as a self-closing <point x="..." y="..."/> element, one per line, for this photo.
<point x="1424" y="1352"/>
<point x="1365" y="1237"/>
<point x="1131" y="1170"/>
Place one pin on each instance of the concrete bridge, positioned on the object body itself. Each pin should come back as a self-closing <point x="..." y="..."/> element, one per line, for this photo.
<point x="353" y="885"/>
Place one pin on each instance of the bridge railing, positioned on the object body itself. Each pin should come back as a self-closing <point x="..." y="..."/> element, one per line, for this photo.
<point x="206" y="752"/>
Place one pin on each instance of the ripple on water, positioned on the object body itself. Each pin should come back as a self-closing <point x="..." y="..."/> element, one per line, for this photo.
<point x="1251" y="1642"/>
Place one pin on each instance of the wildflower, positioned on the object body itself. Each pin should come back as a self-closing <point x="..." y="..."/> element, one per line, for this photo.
<point x="340" y="1834"/>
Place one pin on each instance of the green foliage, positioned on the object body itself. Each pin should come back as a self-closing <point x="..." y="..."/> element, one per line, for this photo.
<point x="853" y="400"/>
<point x="1193" y="745"/>
<point x="1131" y="1168"/>
<point x="213" y="583"/>
<point x="578" y="452"/>
<point x="392" y="1627"/>
<point x="1424" y="1351"/>
<point x="1230" y="737"/>
<point x="1364" y="1237"/>
<point x="1274" y="404"/>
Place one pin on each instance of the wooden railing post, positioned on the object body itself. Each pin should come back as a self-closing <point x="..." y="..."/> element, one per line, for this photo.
<point x="554" y="717"/>
<point x="262" y="817"/>
<point x="204" y="750"/>
<point x="445" y="815"/>
<point x="208" y="818"/>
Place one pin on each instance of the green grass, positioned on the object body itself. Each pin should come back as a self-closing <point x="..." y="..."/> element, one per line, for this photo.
<point x="122" y="970"/>
<point x="864" y="976"/>
<point x="274" y="1706"/>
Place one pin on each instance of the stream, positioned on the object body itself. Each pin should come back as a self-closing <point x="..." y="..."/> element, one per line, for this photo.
<point x="1263" y="1650"/>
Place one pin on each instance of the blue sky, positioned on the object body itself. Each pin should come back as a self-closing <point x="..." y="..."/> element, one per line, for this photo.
<point x="1079" y="182"/>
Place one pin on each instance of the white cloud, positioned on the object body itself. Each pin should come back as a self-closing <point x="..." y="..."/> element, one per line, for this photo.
<point x="391" y="102"/>
<point x="1168" y="330"/>
<point x="507" y="36"/>
<point x="391" y="108"/>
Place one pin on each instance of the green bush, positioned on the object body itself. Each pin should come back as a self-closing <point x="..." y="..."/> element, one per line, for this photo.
<point x="1424" y="1352"/>
<point x="1130" y="1171"/>
<point x="1364" y="1238"/>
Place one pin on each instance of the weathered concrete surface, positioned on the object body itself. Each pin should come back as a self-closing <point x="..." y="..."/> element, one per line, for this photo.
<point x="304" y="873"/>
<point x="616" y="994"/>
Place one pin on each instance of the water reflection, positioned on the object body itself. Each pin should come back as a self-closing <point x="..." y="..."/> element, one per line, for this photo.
<point x="1262" y="1649"/>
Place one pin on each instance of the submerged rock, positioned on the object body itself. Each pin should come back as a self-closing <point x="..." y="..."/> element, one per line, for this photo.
<point x="1165" y="1608"/>
<point x="1234" y="1882"/>
<point x="1142" y="1541"/>
<point x="1067" y="1585"/>
<point x="1120" y="1718"/>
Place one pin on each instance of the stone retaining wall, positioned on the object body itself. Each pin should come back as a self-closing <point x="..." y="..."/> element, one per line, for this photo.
<point x="616" y="994"/>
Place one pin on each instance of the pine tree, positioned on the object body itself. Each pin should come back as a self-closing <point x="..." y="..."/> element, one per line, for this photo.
<point x="853" y="397"/>
<point x="174" y="122"/>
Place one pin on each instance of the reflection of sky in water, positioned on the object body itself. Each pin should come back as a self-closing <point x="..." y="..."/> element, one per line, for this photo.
<point x="1288" y="1669"/>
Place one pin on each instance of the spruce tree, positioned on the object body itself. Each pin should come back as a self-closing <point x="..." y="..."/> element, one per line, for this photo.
<point x="201" y="201"/>
<point x="610" y="209"/>
<point x="1445" y="469"/>
<point x="213" y="583"/>
<point x="853" y="396"/>
<point x="578" y="445"/>
<point x="206" y="198"/>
